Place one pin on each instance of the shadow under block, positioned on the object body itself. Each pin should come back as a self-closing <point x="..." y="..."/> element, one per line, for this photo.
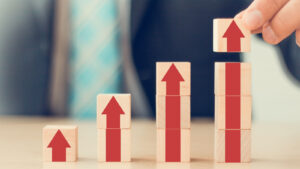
<point x="233" y="146"/>
<point x="173" y="78"/>
<point x="177" y="109"/>
<point x="113" y="111"/>
<point x="114" y="145"/>
<point x="233" y="112"/>
<point x="232" y="78"/>
<point x="60" y="143"/>
<point x="229" y="35"/>
<point x="173" y="145"/>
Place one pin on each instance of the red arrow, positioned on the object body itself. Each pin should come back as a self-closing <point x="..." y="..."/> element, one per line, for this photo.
<point x="173" y="79"/>
<point x="173" y="112"/>
<point x="233" y="35"/>
<point x="232" y="146"/>
<point x="173" y="145"/>
<point x="59" y="145"/>
<point x="113" y="111"/>
<point x="113" y="145"/>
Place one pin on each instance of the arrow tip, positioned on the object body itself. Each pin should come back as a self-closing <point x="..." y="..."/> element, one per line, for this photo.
<point x="233" y="31"/>
<point x="173" y="74"/>
<point x="113" y="107"/>
<point x="58" y="140"/>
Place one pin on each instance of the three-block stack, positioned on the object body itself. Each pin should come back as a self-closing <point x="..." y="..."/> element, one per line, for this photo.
<point x="173" y="90"/>
<point x="113" y="127"/>
<point x="233" y="100"/>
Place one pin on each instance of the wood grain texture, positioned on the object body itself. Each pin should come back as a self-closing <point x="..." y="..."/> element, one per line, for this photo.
<point x="125" y="145"/>
<point x="124" y="100"/>
<point x="245" y="112"/>
<point x="245" y="146"/>
<point x="220" y="25"/>
<point x="245" y="79"/>
<point x="185" y="146"/>
<point x="70" y="132"/>
<point x="184" y="69"/>
<point x="185" y="112"/>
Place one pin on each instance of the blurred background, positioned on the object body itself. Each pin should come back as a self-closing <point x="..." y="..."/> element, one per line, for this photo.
<point x="57" y="55"/>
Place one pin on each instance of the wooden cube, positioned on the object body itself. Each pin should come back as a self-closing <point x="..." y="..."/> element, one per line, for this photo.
<point x="229" y="35"/>
<point x="114" y="145"/>
<point x="113" y="111"/>
<point x="232" y="78"/>
<point x="233" y="112"/>
<point x="60" y="143"/>
<point x="173" y="78"/>
<point x="233" y="146"/>
<point x="173" y="145"/>
<point x="173" y="112"/>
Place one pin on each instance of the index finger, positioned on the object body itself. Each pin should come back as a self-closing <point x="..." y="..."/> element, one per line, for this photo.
<point x="261" y="11"/>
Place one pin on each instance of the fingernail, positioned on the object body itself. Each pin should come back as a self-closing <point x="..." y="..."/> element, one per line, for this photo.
<point x="269" y="35"/>
<point x="253" y="19"/>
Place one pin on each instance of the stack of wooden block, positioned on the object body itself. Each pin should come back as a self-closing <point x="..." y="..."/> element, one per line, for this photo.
<point x="113" y="126"/>
<point x="173" y="84"/>
<point x="233" y="103"/>
<point x="233" y="100"/>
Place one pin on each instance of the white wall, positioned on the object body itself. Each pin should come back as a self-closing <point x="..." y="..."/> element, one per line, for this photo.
<point x="276" y="97"/>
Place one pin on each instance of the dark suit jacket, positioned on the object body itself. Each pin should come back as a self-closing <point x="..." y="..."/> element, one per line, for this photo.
<point x="181" y="30"/>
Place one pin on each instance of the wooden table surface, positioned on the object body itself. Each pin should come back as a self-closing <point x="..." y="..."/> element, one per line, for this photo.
<point x="273" y="146"/>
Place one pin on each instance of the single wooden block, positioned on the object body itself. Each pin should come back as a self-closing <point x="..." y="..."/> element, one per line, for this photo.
<point x="230" y="35"/>
<point x="60" y="143"/>
<point x="233" y="146"/>
<point x="173" y="145"/>
<point x="113" y="111"/>
<point x="173" y="78"/>
<point x="173" y="112"/>
<point x="232" y="78"/>
<point x="114" y="145"/>
<point x="233" y="112"/>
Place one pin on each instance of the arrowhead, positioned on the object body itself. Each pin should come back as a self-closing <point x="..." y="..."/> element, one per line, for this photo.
<point x="233" y="31"/>
<point x="173" y="74"/>
<point x="58" y="140"/>
<point x="113" y="107"/>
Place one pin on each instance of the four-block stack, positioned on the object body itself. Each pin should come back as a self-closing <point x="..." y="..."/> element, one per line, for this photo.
<point x="113" y="127"/>
<point x="173" y="83"/>
<point x="233" y="100"/>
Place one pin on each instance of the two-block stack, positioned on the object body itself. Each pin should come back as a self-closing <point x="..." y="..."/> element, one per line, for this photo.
<point x="232" y="94"/>
<point x="173" y="90"/>
<point x="113" y="127"/>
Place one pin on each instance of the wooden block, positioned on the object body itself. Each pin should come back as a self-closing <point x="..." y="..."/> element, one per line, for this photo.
<point x="177" y="109"/>
<point x="173" y="145"/>
<point x="233" y="146"/>
<point x="114" y="145"/>
<point x="230" y="35"/>
<point x="60" y="143"/>
<point x="233" y="112"/>
<point x="173" y="78"/>
<point x="232" y="78"/>
<point x="114" y="111"/>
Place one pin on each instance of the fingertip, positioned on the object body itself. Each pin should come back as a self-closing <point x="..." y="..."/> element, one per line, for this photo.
<point x="252" y="19"/>
<point x="239" y="15"/>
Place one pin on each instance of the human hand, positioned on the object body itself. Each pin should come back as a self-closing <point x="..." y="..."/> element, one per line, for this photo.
<point x="275" y="19"/>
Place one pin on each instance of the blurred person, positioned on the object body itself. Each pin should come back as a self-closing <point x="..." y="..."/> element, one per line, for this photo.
<point x="154" y="30"/>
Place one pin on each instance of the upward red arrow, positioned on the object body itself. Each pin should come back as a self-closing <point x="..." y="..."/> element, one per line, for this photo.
<point x="233" y="35"/>
<point x="59" y="145"/>
<point x="173" y="79"/>
<point x="113" y="111"/>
